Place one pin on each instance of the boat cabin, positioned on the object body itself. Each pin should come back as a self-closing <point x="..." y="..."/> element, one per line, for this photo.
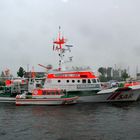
<point x="47" y="92"/>
<point x="72" y="77"/>
<point x="73" y="80"/>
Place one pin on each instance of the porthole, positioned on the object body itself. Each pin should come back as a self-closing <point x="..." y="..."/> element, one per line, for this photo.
<point x="78" y="81"/>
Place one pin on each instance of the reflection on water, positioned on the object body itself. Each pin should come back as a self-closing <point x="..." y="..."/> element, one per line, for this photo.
<point x="95" y="121"/>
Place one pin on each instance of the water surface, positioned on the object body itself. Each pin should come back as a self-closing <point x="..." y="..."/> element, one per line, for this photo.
<point x="86" y="121"/>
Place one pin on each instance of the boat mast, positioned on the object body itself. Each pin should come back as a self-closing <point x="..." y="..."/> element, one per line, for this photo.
<point x="58" y="46"/>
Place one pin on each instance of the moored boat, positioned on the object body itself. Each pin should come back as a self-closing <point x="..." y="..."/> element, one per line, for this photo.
<point x="77" y="81"/>
<point x="12" y="88"/>
<point x="45" y="97"/>
<point x="118" y="94"/>
<point x="83" y="82"/>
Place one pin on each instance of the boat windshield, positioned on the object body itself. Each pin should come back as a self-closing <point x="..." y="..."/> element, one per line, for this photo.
<point x="94" y="80"/>
<point x="29" y="93"/>
<point x="51" y="92"/>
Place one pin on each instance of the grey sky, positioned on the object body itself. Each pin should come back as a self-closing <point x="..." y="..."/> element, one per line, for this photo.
<point x="103" y="32"/>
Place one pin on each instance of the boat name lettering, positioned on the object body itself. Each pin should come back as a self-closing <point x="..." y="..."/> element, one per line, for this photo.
<point x="67" y="75"/>
<point x="126" y="96"/>
<point x="87" y="86"/>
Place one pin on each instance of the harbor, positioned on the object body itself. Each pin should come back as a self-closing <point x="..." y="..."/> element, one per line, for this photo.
<point x="80" y="84"/>
<point x="69" y="70"/>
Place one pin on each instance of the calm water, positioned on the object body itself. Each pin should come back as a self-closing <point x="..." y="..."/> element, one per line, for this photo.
<point x="88" y="121"/>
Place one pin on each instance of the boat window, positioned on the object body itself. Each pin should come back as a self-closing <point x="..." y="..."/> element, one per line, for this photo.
<point x="93" y="80"/>
<point x="78" y="81"/>
<point x="1" y="88"/>
<point x="64" y="91"/>
<point x="57" y="93"/>
<point x="29" y="93"/>
<point x="97" y="80"/>
<point x="31" y="82"/>
<point x="61" y="92"/>
<point x="67" y="81"/>
<point x="89" y="81"/>
<point x="38" y="85"/>
<point x="44" y="92"/>
<point x="84" y="81"/>
<point x="59" y="81"/>
<point x="73" y="81"/>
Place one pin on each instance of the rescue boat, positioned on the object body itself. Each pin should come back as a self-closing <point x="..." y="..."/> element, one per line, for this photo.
<point x="77" y="81"/>
<point x="45" y="97"/>
<point x="83" y="82"/>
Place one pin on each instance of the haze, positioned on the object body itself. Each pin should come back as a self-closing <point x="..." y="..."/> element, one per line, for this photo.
<point x="103" y="32"/>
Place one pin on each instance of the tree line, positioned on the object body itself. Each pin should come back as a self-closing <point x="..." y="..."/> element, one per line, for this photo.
<point x="106" y="74"/>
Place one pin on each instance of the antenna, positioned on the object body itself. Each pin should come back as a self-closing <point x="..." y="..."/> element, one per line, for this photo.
<point x="58" y="46"/>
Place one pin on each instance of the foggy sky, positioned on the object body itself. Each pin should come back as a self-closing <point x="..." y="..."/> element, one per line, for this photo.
<point x="103" y="32"/>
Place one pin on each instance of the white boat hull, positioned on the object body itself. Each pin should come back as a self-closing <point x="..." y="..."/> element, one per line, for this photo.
<point x="7" y="99"/>
<point x="132" y="95"/>
<point x="55" y="101"/>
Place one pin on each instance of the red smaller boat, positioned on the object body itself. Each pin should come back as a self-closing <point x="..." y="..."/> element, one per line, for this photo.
<point x="45" y="96"/>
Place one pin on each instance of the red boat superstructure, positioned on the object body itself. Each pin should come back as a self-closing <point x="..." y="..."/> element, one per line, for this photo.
<point x="71" y="75"/>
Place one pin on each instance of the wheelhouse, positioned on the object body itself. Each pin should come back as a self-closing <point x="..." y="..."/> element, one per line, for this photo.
<point x="47" y="92"/>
